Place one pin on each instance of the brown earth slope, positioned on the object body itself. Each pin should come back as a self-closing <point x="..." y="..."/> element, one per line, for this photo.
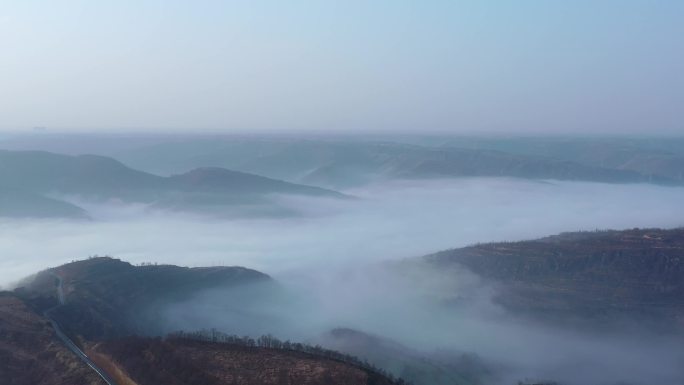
<point x="30" y="352"/>
<point x="151" y="361"/>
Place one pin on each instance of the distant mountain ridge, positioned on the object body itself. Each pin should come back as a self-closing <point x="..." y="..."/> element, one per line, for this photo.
<point x="340" y="164"/>
<point x="658" y="157"/>
<point x="33" y="179"/>
<point x="350" y="161"/>
<point x="216" y="179"/>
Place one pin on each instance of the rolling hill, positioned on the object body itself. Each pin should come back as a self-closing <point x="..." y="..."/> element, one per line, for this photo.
<point x="36" y="183"/>
<point x="107" y="297"/>
<point x="93" y="302"/>
<point x="633" y="274"/>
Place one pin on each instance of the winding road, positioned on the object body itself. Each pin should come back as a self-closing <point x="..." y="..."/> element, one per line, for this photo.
<point x="67" y="341"/>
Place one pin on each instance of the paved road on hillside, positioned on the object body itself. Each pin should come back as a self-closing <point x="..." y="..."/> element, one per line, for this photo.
<point x="67" y="341"/>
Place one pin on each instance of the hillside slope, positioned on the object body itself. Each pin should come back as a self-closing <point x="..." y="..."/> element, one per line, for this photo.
<point x="176" y="361"/>
<point x="95" y="301"/>
<point x="420" y="368"/>
<point x="107" y="297"/>
<point x="633" y="273"/>
<point x="31" y="354"/>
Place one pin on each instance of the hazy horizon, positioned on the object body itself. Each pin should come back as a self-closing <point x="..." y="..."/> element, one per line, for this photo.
<point x="443" y="67"/>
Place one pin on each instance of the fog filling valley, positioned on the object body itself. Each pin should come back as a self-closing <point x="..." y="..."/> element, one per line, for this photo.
<point x="335" y="265"/>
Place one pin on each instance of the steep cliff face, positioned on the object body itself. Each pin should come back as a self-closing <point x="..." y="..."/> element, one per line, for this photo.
<point x="637" y="272"/>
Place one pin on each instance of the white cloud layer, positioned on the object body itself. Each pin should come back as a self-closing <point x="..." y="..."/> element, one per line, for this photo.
<point x="327" y="261"/>
<point x="390" y="221"/>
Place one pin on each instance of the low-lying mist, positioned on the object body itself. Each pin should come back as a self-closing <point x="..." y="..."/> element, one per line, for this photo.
<point x="430" y="312"/>
<point x="390" y="221"/>
<point x="333" y="265"/>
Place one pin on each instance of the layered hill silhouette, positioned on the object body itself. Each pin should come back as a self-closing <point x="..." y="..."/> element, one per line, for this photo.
<point x="33" y="184"/>
<point x="339" y="164"/>
<point x="653" y="157"/>
<point x="353" y="161"/>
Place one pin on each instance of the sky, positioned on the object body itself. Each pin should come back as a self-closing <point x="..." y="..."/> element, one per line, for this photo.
<point x="442" y="66"/>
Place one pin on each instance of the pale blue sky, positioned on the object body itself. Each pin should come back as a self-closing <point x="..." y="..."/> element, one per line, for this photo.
<point x="448" y="66"/>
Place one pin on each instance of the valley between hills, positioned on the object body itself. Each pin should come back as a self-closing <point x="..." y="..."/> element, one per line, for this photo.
<point x="615" y="277"/>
